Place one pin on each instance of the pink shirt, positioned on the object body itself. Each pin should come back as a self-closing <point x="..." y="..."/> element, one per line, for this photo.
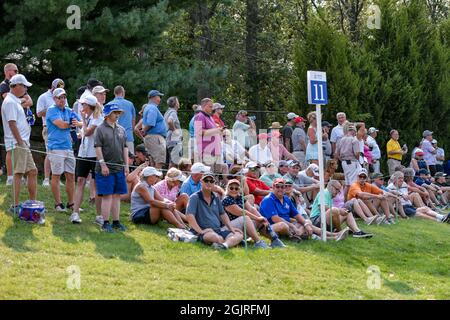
<point x="165" y="192"/>
<point x="209" y="145"/>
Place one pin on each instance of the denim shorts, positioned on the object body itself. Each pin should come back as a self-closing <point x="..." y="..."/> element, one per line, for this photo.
<point x="223" y="232"/>
<point x="141" y="216"/>
<point x="114" y="183"/>
<point x="410" y="210"/>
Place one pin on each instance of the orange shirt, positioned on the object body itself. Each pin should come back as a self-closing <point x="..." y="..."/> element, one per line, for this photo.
<point x="356" y="188"/>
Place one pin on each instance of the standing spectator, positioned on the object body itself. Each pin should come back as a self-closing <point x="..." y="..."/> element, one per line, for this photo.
<point x="287" y="131"/>
<point x="155" y="129"/>
<point x="208" y="219"/>
<point x="91" y="84"/>
<point x="217" y="113"/>
<point x="338" y="132"/>
<point x="110" y="141"/>
<point x="347" y="151"/>
<point x="429" y="152"/>
<point x="312" y="155"/>
<point x="244" y="129"/>
<point x="440" y="156"/>
<point x="299" y="141"/>
<point x="261" y="153"/>
<point x="374" y="148"/>
<point x="326" y="143"/>
<point x="192" y="143"/>
<point x="128" y="117"/>
<point x="100" y="93"/>
<point x="10" y="69"/>
<point x="45" y="101"/>
<point x="91" y="116"/>
<point x="277" y="149"/>
<point x="174" y="134"/>
<point x="17" y="138"/>
<point x="60" y="121"/>
<point x="394" y="152"/>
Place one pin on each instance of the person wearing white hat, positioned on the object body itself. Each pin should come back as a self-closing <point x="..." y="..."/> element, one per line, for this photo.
<point x="440" y="156"/>
<point x="169" y="189"/>
<point x="429" y="151"/>
<point x="217" y="113"/>
<point x="17" y="132"/>
<point x="374" y="148"/>
<point x="148" y="206"/>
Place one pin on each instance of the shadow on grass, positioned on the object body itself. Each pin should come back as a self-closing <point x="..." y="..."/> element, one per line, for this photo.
<point x="115" y="245"/>
<point x="399" y="287"/>
<point x="18" y="234"/>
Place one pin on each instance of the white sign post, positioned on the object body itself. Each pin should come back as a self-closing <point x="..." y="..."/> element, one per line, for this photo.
<point x="317" y="94"/>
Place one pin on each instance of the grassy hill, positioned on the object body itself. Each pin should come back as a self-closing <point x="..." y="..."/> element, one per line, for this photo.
<point x="413" y="258"/>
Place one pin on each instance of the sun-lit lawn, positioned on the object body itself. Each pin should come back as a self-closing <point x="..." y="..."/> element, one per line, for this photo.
<point x="413" y="257"/>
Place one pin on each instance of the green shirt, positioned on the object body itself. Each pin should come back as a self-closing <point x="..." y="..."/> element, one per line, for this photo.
<point x="315" y="210"/>
<point x="269" y="178"/>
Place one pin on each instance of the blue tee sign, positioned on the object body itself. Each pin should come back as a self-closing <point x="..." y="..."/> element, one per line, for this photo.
<point x="317" y="87"/>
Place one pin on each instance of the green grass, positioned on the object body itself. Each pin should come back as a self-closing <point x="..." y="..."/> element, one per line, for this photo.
<point x="413" y="257"/>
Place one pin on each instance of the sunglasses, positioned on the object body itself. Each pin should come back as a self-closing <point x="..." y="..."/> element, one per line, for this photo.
<point x="288" y="185"/>
<point x="363" y="176"/>
<point x="280" y="186"/>
<point x="234" y="188"/>
<point x="208" y="181"/>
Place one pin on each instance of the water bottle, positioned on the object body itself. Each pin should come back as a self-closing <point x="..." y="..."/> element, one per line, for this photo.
<point x="30" y="116"/>
<point x="253" y="118"/>
<point x="73" y="129"/>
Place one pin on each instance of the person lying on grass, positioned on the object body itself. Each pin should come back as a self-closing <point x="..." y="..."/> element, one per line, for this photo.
<point x="341" y="215"/>
<point x="207" y="218"/>
<point x="148" y="206"/>
<point x="236" y="206"/>
<point x="407" y="209"/>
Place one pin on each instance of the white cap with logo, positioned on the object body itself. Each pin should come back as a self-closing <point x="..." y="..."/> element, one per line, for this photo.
<point x="150" y="171"/>
<point x="199" y="167"/>
<point x="20" y="79"/>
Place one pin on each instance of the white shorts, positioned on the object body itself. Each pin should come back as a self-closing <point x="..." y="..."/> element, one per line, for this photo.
<point x="61" y="161"/>
<point x="351" y="171"/>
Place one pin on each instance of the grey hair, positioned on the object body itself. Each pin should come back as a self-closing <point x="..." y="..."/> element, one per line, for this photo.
<point x="396" y="175"/>
<point x="172" y="102"/>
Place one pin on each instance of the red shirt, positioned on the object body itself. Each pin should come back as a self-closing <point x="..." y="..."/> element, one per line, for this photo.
<point x="218" y="121"/>
<point x="254" y="184"/>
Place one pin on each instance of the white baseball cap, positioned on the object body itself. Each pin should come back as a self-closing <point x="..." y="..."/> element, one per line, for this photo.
<point x="372" y="130"/>
<point x="58" y="92"/>
<point x="218" y="106"/>
<point x="251" y="164"/>
<point x="99" y="89"/>
<point x="314" y="168"/>
<point x="89" y="100"/>
<point x="150" y="171"/>
<point x="199" y="167"/>
<point x="291" y="116"/>
<point x="20" y="79"/>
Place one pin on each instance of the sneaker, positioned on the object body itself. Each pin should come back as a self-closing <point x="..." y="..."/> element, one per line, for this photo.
<point x="386" y="221"/>
<point x="277" y="243"/>
<point x="362" y="234"/>
<point x="60" y="207"/>
<point x="69" y="206"/>
<point x="119" y="226"/>
<point x="107" y="228"/>
<point x="99" y="220"/>
<point x="446" y="219"/>
<point x="391" y="220"/>
<point x="371" y="220"/>
<point x="315" y="237"/>
<point x="9" y="182"/>
<point x="14" y="209"/>
<point x="380" y="219"/>
<point x="75" y="218"/>
<point x="219" y="246"/>
<point x="46" y="183"/>
<point x="261" y="245"/>
<point x="343" y="234"/>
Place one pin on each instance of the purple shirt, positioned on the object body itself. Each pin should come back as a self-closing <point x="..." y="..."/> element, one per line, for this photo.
<point x="429" y="153"/>
<point x="209" y="145"/>
<point x="165" y="192"/>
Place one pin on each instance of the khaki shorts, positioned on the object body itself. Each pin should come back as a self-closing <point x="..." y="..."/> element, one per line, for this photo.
<point x="351" y="171"/>
<point x="156" y="147"/>
<point x="22" y="160"/>
<point x="392" y="164"/>
<point x="238" y="223"/>
<point x="61" y="161"/>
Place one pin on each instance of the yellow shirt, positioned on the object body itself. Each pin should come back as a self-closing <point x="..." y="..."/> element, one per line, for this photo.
<point x="393" y="145"/>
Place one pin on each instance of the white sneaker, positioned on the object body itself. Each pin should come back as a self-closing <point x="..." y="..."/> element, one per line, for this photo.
<point x="9" y="182"/>
<point x="75" y="218"/>
<point x="99" y="220"/>
<point x="380" y="219"/>
<point x="371" y="220"/>
<point x="46" y="183"/>
<point x="343" y="234"/>
<point x="60" y="208"/>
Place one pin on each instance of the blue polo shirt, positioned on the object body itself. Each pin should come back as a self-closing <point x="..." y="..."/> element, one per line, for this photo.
<point x="420" y="181"/>
<point x="58" y="139"/>
<point x="271" y="206"/>
<point x="126" y="118"/>
<point x="190" y="186"/>
<point x="153" y="118"/>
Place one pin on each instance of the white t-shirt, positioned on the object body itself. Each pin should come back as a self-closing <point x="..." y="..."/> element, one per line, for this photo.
<point x="87" y="149"/>
<point x="403" y="190"/>
<point x="235" y="151"/>
<point x="337" y="133"/>
<point x="260" y="155"/>
<point x="372" y="143"/>
<point x="12" y="110"/>
<point x="44" y="101"/>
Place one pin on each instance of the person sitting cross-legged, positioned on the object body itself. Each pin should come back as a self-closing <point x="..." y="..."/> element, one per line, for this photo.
<point x="148" y="206"/>
<point x="207" y="218"/>
<point x="240" y="210"/>
<point x="343" y="215"/>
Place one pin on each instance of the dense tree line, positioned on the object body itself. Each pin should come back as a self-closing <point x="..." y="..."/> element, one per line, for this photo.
<point x="248" y="54"/>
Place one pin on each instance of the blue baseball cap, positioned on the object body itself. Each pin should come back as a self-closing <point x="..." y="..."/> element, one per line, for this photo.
<point x="423" y="171"/>
<point x="154" y="93"/>
<point x="110" y="107"/>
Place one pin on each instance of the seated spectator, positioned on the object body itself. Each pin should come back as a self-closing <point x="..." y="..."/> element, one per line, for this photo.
<point x="260" y="153"/>
<point x="414" y="189"/>
<point x="234" y="152"/>
<point x="343" y="215"/>
<point x="148" y="206"/>
<point x="255" y="186"/>
<point x="278" y="150"/>
<point x="303" y="182"/>
<point x="192" y="183"/>
<point x="208" y="219"/>
<point x="184" y="165"/>
<point x="330" y="169"/>
<point x="283" y="167"/>
<point x="169" y="189"/>
<point x="236" y="207"/>
<point x="140" y="156"/>
<point x="440" y="181"/>
<point x="133" y="178"/>
<point x="407" y="209"/>
<point x="270" y="175"/>
<point x="393" y="199"/>
<point x="417" y="161"/>
<point x="372" y="196"/>
<point x="422" y="179"/>
<point x="283" y="215"/>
